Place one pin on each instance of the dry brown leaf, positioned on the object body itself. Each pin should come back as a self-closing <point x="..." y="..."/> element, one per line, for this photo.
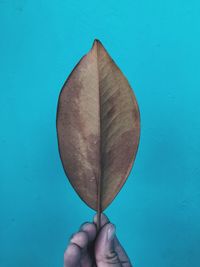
<point x="98" y="127"/>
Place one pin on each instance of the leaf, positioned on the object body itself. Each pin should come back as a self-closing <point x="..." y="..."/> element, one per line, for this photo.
<point x="98" y="128"/>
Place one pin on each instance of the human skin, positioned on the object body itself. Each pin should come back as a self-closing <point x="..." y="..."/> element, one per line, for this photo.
<point x="89" y="249"/>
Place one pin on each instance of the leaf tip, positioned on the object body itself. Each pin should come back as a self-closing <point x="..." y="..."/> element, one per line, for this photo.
<point x="96" y="42"/>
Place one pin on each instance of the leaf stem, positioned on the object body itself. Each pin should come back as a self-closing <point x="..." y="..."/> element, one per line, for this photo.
<point x="98" y="220"/>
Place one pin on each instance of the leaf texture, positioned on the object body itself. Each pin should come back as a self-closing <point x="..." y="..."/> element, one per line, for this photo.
<point x="98" y="128"/>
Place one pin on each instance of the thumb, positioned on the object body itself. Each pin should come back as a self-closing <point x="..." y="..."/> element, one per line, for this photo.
<point x="105" y="253"/>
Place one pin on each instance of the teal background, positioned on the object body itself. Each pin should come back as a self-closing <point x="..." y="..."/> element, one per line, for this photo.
<point x="156" y="45"/>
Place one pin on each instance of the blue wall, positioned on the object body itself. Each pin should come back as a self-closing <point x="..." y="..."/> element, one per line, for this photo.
<point x="157" y="46"/>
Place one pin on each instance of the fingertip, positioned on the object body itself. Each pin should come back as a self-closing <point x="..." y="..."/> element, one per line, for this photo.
<point x="80" y="239"/>
<point x="108" y="232"/>
<point x="83" y="224"/>
<point x="104" y="219"/>
<point x="90" y="229"/>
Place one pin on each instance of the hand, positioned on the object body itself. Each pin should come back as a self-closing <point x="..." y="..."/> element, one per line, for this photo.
<point x="89" y="249"/>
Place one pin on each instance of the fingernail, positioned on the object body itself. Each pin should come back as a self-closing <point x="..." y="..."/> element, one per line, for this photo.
<point x="111" y="232"/>
<point x="95" y="217"/>
<point x="84" y="225"/>
<point x="70" y="238"/>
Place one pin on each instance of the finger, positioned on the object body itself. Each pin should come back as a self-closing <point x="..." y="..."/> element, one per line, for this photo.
<point x="72" y="256"/>
<point x="80" y="239"/>
<point x="90" y="230"/>
<point x="104" y="247"/>
<point x="104" y="219"/>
